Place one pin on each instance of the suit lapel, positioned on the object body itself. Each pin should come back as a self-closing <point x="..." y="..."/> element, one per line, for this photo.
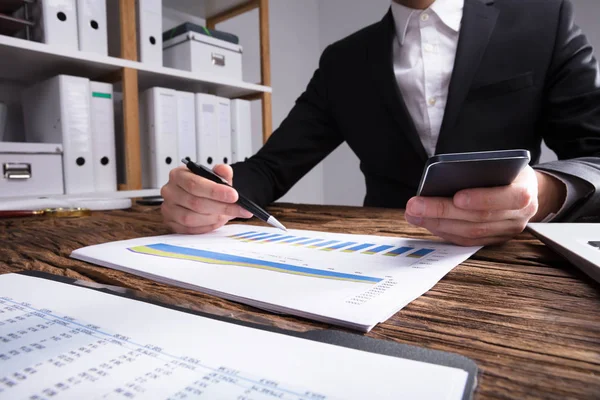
<point x="478" y="22"/>
<point x="382" y="72"/>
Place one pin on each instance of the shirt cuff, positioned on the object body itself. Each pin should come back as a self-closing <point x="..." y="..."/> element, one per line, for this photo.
<point x="577" y="189"/>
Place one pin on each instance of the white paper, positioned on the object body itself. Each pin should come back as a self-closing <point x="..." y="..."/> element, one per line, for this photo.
<point x="319" y="277"/>
<point x="61" y="341"/>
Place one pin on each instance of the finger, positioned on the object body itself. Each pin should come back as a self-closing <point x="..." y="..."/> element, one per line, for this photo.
<point x="515" y="196"/>
<point x="511" y="197"/>
<point x="225" y="172"/>
<point x="200" y="187"/>
<point x="178" y="196"/>
<point x="178" y="228"/>
<point x="190" y="219"/>
<point x="444" y="208"/>
<point x="471" y="230"/>
<point x="461" y="241"/>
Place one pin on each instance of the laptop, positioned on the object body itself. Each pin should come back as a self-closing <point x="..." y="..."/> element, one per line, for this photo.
<point x="577" y="242"/>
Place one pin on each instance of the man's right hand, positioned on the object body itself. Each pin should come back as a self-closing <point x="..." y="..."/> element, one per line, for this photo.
<point x="195" y="205"/>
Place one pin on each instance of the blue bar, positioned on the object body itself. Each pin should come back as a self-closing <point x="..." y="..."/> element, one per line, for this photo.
<point x="339" y="246"/>
<point x="295" y="239"/>
<point x="239" y="235"/>
<point x="378" y="249"/>
<point x="277" y="239"/>
<point x="270" y="236"/>
<point x="420" y="253"/>
<point x="307" y="242"/>
<point x="398" y="251"/>
<point x="255" y="236"/>
<point x="359" y="247"/>
<point x="323" y="244"/>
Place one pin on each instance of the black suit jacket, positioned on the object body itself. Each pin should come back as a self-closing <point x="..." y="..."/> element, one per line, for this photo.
<point x="523" y="72"/>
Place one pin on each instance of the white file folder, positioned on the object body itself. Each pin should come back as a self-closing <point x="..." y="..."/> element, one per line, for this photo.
<point x="224" y="112"/>
<point x="207" y="129"/>
<point x="56" y="23"/>
<point x="103" y="136"/>
<point x="92" y="26"/>
<point x="241" y="131"/>
<point x="58" y="111"/>
<point x="149" y="18"/>
<point x="158" y="136"/>
<point x="186" y="125"/>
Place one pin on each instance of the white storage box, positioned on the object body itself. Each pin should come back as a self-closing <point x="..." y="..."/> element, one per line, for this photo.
<point x="31" y="169"/>
<point x="199" y="53"/>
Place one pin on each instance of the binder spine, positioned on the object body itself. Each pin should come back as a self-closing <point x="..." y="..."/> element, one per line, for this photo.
<point x="92" y="26"/>
<point x="207" y="129"/>
<point x="77" y="138"/>
<point x="56" y="23"/>
<point x="103" y="136"/>
<point x="186" y="125"/>
<point x="241" y="132"/>
<point x="224" y="141"/>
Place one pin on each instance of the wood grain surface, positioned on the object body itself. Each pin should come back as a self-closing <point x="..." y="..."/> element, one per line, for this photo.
<point x="528" y="318"/>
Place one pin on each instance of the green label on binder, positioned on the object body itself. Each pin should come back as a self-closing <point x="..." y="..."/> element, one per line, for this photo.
<point x="102" y="95"/>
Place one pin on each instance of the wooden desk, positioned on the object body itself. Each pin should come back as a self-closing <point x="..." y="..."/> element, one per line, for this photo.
<point x="529" y="319"/>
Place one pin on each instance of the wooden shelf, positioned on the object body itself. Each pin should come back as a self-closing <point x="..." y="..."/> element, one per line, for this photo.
<point x="32" y="62"/>
<point x="28" y="62"/>
<point x="121" y="194"/>
<point x="203" y="8"/>
<point x="150" y="76"/>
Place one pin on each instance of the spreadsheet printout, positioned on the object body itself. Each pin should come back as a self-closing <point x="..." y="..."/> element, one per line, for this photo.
<point x="59" y="341"/>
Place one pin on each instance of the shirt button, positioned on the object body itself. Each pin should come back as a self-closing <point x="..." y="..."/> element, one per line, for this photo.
<point x="432" y="101"/>
<point x="429" y="47"/>
<point x="424" y="17"/>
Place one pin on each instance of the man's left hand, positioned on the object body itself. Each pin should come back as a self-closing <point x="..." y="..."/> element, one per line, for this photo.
<point x="485" y="216"/>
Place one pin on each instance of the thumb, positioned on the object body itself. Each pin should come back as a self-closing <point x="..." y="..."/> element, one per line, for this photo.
<point x="225" y="172"/>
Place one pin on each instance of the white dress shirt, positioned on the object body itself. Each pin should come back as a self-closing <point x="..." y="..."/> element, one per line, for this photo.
<point x="423" y="54"/>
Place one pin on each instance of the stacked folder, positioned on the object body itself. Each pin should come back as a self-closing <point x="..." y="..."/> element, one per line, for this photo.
<point x="84" y="25"/>
<point x="197" y="126"/>
<point x="71" y="24"/>
<point x="79" y="114"/>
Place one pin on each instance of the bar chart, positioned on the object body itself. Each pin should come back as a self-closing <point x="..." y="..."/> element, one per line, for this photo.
<point x="333" y="245"/>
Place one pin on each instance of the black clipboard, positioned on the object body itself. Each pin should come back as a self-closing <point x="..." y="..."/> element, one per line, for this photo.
<point x="333" y="337"/>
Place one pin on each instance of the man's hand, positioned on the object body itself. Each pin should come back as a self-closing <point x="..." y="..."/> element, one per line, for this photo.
<point x="485" y="216"/>
<point x="196" y="205"/>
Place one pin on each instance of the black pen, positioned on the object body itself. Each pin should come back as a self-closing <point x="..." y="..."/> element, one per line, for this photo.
<point x="243" y="202"/>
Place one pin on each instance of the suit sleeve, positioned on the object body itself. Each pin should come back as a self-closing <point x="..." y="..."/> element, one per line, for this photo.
<point x="572" y="116"/>
<point x="306" y="136"/>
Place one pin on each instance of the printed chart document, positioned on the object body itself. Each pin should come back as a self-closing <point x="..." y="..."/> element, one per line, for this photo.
<point x="354" y="281"/>
<point x="62" y="341"/>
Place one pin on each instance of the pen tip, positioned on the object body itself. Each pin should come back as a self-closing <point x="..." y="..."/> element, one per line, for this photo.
<point x="183" y="160"/>
<point x="276" y="223"/>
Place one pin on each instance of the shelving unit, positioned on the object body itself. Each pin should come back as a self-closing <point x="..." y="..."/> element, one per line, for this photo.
<point x="27" y="62"/>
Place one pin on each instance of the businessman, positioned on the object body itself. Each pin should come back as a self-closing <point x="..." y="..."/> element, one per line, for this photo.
<point x="434" y="77"/>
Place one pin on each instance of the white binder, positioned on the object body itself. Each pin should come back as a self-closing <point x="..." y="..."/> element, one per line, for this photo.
<point x="241" y="131"/>
<point x="103" y="136"/>
<point x="58" y="111"/>
<point x="149" y="18"/>
<point x="186" y="125"/>
<point x="92" y="26"/>
<point x="224" y="112"/>
<point x="56" y="23"/>
<point x="207" y="129"/>
<point x="158" y="136"/>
